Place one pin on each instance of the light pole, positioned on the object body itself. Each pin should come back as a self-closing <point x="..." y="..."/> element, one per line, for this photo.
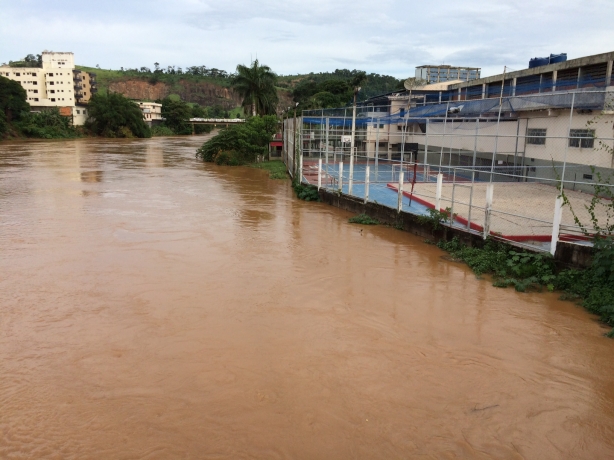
<point x="296" y="171"/>
<point x="356" y="90"/>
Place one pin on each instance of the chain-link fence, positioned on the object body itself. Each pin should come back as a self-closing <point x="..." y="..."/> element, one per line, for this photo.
<point x="498" y="166"/>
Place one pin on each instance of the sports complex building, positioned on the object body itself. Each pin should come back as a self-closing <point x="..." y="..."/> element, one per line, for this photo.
<point x="528" y="132"/>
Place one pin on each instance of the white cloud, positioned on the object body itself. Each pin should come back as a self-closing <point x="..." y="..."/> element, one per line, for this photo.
<point x="387" y="37"/>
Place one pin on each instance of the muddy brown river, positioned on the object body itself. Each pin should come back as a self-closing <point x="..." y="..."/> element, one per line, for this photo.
<point x="152" y="307"/>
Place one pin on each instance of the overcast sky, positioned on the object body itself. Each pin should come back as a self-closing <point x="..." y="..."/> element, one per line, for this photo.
<point x="382" y="36"/>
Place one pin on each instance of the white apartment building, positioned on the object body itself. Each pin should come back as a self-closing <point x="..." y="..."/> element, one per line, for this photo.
<point x="50" y="85"/>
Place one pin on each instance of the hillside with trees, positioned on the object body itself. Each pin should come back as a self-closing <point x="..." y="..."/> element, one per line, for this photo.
<point x="212" y="87"/>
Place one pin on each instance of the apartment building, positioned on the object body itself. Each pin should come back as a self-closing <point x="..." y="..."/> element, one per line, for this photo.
<point x="85" y="86"/>
<point x="52" y="84"/>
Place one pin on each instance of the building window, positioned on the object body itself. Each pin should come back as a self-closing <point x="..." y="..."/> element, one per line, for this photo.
<point x="536" y="136"/>
<point x="78" y="112"/>
<point x="582" y="138"/>
<point x="52" y="99"/>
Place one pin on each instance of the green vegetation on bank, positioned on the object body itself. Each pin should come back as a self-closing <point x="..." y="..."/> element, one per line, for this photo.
<point x="177" y="114"/>
<point x="276" y="168"/>
<point x="306" y="192"/>
<point x="240" y="144"/>
<point x="48" y="124"/>
<point x="16" y="120"/>
<point x="114" y="115"/>
<point x="592" y="287"/>
<point x="363" y="219"/>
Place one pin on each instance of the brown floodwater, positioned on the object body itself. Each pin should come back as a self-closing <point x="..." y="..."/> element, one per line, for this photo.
<point x="152" y="307"/>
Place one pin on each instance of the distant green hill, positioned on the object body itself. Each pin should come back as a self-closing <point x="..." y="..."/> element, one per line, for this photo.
<point x="212" y="87"/>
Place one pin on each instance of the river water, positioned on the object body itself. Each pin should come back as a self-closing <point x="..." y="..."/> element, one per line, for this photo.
<point x="152" y="307"/>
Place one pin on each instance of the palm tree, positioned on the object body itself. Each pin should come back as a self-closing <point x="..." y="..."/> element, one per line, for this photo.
<point x="256" y="85"/>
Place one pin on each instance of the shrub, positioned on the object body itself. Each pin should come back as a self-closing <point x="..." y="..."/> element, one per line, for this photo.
<point x="306" y="192"/>
<point x="48" y="124"/>
<point x="363" y="219"/>
<point x="248" y="140"/>
<point x="161" y="130"/>
<point x="114" y="115"/>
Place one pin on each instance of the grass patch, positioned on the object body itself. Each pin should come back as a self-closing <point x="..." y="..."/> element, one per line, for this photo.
<point x="276" y="168"/>
<point x="363" y="219"/>
<point x="306" y="192"/>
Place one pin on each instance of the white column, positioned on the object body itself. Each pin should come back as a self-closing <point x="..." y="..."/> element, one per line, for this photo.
<point x="319" y="173"/>
<point x="327" y="127"/>
<point x="438" y="192"/>
<point x="367" y="171"/>
<point x="556" y="223"/>
<point x="487" y="211"/>
<point x="300" y="170"/>
<point x="400" y="197"/>
<point x="340" y="181"/>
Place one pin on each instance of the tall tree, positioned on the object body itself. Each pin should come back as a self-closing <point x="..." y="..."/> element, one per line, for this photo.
<point x="176" y="115"/>
<point x="13" y="101"/>
<point x="114" y="115"/>
<point x="256" y="85"/>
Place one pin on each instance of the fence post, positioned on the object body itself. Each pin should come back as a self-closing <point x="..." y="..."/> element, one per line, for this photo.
<point x="400" y="198"/>
<point x="488" y="209"/>
<point x="341" y="177"/>
<point x="351" y="178"/>
<point x="377" y="151"/>
<point x="367" y="171"/>
<point x="556" y="223"/>
<point x="319" y="173"/>
<point x="438" y="193"/>
<point x="300" y="170"/>
<point x="327" y="128"/>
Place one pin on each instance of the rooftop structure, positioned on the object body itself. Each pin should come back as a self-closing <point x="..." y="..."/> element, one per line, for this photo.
<point x="439" y="73"/>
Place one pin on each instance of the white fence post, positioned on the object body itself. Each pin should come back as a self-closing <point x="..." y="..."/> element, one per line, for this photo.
<point x="438" y="193"/>
<point x="351" y="178"/>
<point x="367" y="171"/>
<point x="340" y="177"/>
<point x="300" y="168"/>
<point x="400" y="199"/>
<point x="556" y="223"/>
<point x="319" y="173"/>
<point x="488" y="209"/>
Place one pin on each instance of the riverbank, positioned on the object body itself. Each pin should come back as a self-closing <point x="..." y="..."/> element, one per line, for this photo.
<point x="582" y="274"/>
